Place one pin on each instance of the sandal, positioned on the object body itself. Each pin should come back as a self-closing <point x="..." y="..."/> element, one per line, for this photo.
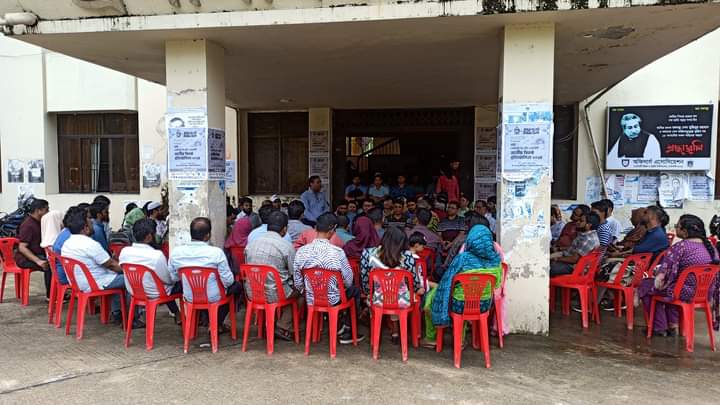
<point x="283" y="334"/>
<point x="427" y="344"/>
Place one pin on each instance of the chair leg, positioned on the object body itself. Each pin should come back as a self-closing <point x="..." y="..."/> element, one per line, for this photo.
<point x="233" y="320"/>
<point x="485" y="340"/>
<point x="296" y="322"/>
<point x="150" y="311"/>
<point x="499" y="320"/>
<point x="68" y="320"/>
<point x="618" y="303"/>
<point x="260" y="321"/>
<point x="689" y="323"/>
<point x="474" y="333"/>
<point x="414" y="327"/>
<point x="630" y="311"/>
<point x="82" y="303"/>
<point x="317" y="327"/>
<point x="439" y="337"/>
<point x="566" y="301"/>
<point x="651" y="319"/>
<point x="51" y="300"/>
<point x="213" y="324"/>
<point x="128" y="329"/>
<point x="584" y="294"/>
<point x="403" y="335"/>
<point x="353" y="323"/>
<point x="270" y="327"/>
<point x="708" y="317"/>
<point x="187" y="328"/>
<point x="123" y="314"/>
<point x="249" y="309"/>
<point x="457" y="340"/>
<point x="309" y="329"/>
<point x="2" y="287"/>
<point x="59" y="297"/>
<point x="332" y="332"/>
<point x="376" y="326"/>
<point x="104" y="309"/>
<point x="596" y="304"/>
<point x="25" y="294"/>
<point x="18" y="286"/>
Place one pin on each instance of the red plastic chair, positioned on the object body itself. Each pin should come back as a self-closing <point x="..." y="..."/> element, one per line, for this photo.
<point x="428" y="256"/>
<point x="704" y="277"/>
<point x="473" y="285"/>
<point x="134" y="275"/>
<point x="670" y="238"/>
<point x="165" y="248"/>
<point x="626" y="293"/>
<point x="583" y="280"/>
<point x="116" y="248"/>
<point x="499" y="306"/>
<point x="355" y="266"/>
<point x="255" y="276"/>
<point x="390" y="281"/>
<point x="69" y="265"/>
<point x="713" y="239"/>
<point x="238" y="255"/>
<point x="57" y="290"/>
<point x="7" y="249"/>
<point x="197" y="279"/>
<point x="319" y="281"/>
<point x="650" y="273"/>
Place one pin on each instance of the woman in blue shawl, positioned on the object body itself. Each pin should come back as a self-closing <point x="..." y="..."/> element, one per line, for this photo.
<point x="479" y="257"/>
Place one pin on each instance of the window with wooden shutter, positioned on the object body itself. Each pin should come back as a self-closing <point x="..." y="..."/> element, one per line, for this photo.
<point x="278" y="152"/>
<point x="98" y="153"/>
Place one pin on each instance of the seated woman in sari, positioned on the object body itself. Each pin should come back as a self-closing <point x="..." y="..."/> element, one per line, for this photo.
<point x="479" y="257"/>
<point x="694" y="249"/>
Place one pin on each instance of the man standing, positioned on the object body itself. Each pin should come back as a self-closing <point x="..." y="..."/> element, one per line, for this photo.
<point x="295" y="226"/>
<point x="322" y="254"/>
<point x="271" y="249"/>
<point x="315" y="201"/>
<point x="199" y="253"/>
<point x="29" y="254"/>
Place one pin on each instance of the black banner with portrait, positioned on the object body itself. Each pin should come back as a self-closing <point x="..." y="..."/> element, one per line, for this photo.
<point x="669" y="137"/>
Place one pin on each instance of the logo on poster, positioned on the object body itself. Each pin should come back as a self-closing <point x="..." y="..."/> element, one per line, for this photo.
<point x="626" y="162"/>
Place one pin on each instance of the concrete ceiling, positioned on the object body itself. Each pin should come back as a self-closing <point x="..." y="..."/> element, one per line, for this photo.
<point x="448" y="61"/>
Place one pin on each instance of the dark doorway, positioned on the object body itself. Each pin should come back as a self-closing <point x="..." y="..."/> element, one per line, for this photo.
<point x="416" y="143"/>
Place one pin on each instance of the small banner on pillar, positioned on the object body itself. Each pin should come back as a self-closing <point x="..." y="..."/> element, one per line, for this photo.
<point x="187" y="144"/>
<point x="216" y="154"/>
<point x="527" y="140"/>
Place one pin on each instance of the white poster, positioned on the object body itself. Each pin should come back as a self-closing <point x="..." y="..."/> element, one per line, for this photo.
<point x="632" y="188"/>
<point x="319" y="166"/>
<point x="15" y="171"/>
<point x="36" y="171"/>
<point x="216" y="154"/>
<point x="230" y="172"/>
<point x="702" y="188"/>
<point x="648" y="189"/>
<point x="593" y="189"/>
<point x="485" y="165"/>
<point x="671" y="191"/>
<point x="152" y="174"/>
<point x="318" y="143"/>
<point x="615" y="187"/>
<point x="187" y="144"/>
<point x="483" y="190"/>
<point x="485" y="139"/>
<point x="527" y="147"/>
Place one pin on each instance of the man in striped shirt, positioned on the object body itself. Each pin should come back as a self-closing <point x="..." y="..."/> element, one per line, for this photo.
<point x="604" y="230"/>
<point x="322" y="254"/>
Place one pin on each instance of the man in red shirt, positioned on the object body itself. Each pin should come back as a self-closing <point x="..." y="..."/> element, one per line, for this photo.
<point x="29" y="254"/>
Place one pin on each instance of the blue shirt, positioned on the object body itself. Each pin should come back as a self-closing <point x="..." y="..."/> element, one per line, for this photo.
<point x="262" y="230"/>
<point x="407" y="191"/>
<point x="99" y="234"/>
<point x="315" y="204"/>
<point x="654" y="241"/>
<point x="381" y="192"/>
<point x="353" y="187"/>
<point x="57" y="248"/>
<point x="201" y="254"/>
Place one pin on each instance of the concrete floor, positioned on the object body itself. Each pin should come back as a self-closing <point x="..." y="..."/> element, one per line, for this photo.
<point x="603" y="365"/>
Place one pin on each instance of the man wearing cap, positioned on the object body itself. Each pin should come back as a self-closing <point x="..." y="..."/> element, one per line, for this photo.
<point x="155" y="212"/>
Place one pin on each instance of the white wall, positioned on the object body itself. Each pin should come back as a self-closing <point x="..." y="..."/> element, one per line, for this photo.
<point x="690" y="75"/>
<point x="33" y="94"/>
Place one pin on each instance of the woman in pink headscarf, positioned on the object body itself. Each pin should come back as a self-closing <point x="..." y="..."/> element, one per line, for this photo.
<point x="365" y="237"/>
<point x="239" y="235"/>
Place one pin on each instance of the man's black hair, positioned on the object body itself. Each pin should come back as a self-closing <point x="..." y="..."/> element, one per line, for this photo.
<point x="584" y="209"/>
<point x="376" y="215"/>
<point x="96" y="208"/>
<point x="399" y="200"/>
<point x="342" y="221"/>
<point x="601" y="206"/>
<point x="38" y="204"/>
<point x="424" y="216"/>
<point x="492" y="200"/>
<point x="417" y="239"/>
<point x="264" y="213"/>
<point x="200" y="228"/>
<point x="70" y="212"/>
<point x="101" y="198"/>
<point x="609" y="203"/>
<point x="341" y="202"/>
<point x="244" y="200"/>
<point x="326" y="222"/>
<point x="312" y="179"/>
<point x="472" y="218"/>
<point x="295" y="209"/>
<point x="143" y="228"/>
<point x="77" y="221"/>
<point x="277" y="221"/>
<point x="593" y="219"/>
<point x="229" y="210"/>
<point x="84" y="205"/>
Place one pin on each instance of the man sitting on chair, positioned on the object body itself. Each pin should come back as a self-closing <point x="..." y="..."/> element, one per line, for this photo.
<point x="142" y="253"/>
<point x="199" y="253"/>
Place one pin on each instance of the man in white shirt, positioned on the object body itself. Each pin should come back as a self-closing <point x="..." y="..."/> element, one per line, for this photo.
<point x="106" y="271"/>
<point x="199" y="253"/>
<point x="142" y="253"/>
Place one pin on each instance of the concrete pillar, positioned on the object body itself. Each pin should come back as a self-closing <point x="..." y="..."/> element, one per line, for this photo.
<point x="195" y="77"/>
<point x="320" y="147"/>
<point x="526" y="79"/>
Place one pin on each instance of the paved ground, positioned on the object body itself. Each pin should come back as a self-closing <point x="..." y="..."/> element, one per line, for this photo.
<point x="604" y="365"/>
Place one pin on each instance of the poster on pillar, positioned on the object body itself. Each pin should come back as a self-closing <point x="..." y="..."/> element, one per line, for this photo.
<point x="527" y="136"/>
<point x="216" y="154"/>
<point x="187" y="144"/>
<point x="675" y="137"/>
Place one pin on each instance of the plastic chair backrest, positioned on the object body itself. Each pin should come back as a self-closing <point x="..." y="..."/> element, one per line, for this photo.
<point x="52" y="261"/>
<point x="587" y="266"/>
<point x="319" y="281"/>
<point x="473" y="285"/>
<point x="670" y="238"/>
<point x="7" y="250"/>
<point x="704" y="277"/>
<point x="505" y="270"/>
<point x="135" y="274"/>
<point x="116" y="248"/>
<point x="390" y="281"/>
<point x="256" y="275"/>
<point x="238" y="255"/>
<point x="165" y="248"/>
<point x="641" y="262"/>
<point x="656" y="262"/>
<point x="713" y="239"/>
<point x="355" y="266"/>
<point x="69" y="265"/>
<point x="197" y="279"/>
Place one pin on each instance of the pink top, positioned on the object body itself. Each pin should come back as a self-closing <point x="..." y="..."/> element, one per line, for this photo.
<point x="449" y="186"/>
<point x="308" y="236"/>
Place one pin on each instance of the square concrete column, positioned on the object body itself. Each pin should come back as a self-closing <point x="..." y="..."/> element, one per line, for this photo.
<point x="320" y="147"/>
<point x="195" y="77"/>
<point x="523" y="212"/>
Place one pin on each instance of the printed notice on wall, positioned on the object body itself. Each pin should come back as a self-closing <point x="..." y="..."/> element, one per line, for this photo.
<point x="152" y="173"/>
<point x="318" y="143"/>
<point x="527" y="133"/>
<point x="701" y="188"/>
<point x="230" y="170"/>
<point x="187" y="144"/>
<point x="36" y="171"/>
<point x="671" y="192"/>
<point x="319" y="166"/>
<point x="593" y="189"/>
<point x="216" y="154"/>
<point x="648" y="189"/>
